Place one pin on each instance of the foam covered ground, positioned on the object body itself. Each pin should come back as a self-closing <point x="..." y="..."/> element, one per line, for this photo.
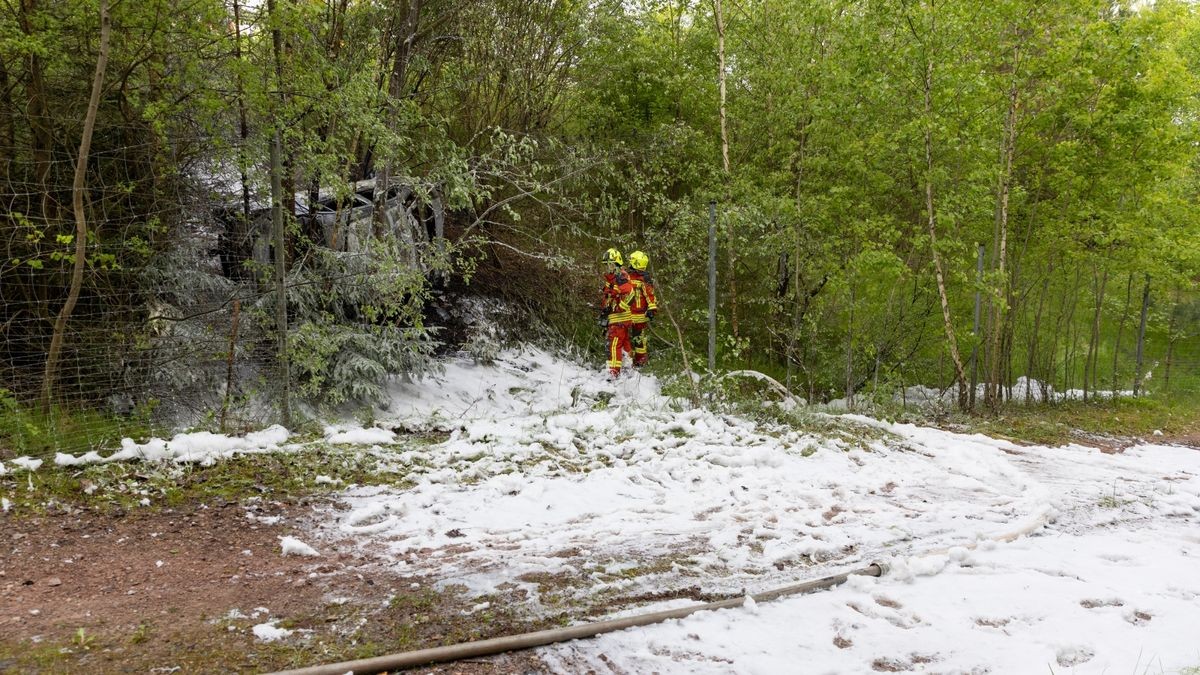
<point x="586" y="499"/>
<point x="572" y="490"/>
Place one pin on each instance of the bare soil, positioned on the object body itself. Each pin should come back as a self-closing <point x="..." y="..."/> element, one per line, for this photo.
<point x="179" y="590"/>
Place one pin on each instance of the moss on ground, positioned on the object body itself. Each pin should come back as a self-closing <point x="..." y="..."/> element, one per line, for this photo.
<point x="122" y="486"/>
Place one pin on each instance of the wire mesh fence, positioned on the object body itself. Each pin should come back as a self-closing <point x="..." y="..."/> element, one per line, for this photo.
<point x="176" y="320"/>
<point x="173" y="322"/>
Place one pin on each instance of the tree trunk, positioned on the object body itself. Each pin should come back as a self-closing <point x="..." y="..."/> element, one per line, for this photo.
<point x="951" y="339"/>
<point x="37" y="102"/>
<point x="975" y="328"/>
<point x="403" y="40"/>
<point x="277" y="223"/>
<point x="1031" y="358"/>
<point x="793" y="334"/>
<point x="850" y="349"/>
<point x="81" y="231"/>
<point x="777" y="342"/>
<point x="1060" y="320"/>
<point x="243" y="233"/>
<point x="8" y="140"/>
<point x="229" y="360"/>
<point x="1070" y="347"/>
<point x="712" y="286"/>
<point x="1008" y="339"/>
<point x="1007" y="148"/>
<point x="729" y="238"/>
<point x="796" y="314"/>
<point x="315" y="233"/>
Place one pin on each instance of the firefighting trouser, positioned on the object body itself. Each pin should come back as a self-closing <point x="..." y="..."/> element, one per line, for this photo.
<point x="618" y="345"/>
<point x="639" y="338"/>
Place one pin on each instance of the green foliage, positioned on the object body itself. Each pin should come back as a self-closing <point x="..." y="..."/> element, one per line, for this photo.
<point x="141" y="634"/>
<point x="83" y="640"/>
<point x="826" y="205"/>
<point x="358" y="323"/>
<point x="26" y="431"/>
<point x="1064" y="133"/>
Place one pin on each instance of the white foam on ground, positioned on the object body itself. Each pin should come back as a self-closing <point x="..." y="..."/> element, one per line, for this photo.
<point x="269" y="632"/>
<point x="293" y="546"/>
<point x="200" y="447"/>
<point x="548" y="470"/>
<point x="356" y="435"/>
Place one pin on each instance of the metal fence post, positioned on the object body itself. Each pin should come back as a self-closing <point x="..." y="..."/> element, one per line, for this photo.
<point x="975" y="329"/>
<point x="1137" y="378"/>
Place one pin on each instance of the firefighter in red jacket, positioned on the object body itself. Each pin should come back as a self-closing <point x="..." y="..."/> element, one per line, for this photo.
<point x="642" y="308"/>
<point x="615" y="315"/>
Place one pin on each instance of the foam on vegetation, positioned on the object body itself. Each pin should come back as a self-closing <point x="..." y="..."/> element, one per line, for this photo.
<point x="576" y="494"/>
<point x="569" y="489"/>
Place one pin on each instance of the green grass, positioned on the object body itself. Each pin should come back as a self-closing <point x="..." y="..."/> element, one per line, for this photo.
<point x="25" y="430"/>
<point x="1175" y="416"/>
<point x="41" y="657"/>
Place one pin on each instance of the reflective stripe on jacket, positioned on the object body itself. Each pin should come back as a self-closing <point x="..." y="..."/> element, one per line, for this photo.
<point x="643" y="292"/>
<point x="617" y="297"/>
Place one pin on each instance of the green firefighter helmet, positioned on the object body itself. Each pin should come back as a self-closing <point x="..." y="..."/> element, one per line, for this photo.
<point x="639" y="260"/>
<point x="612" y="257"/>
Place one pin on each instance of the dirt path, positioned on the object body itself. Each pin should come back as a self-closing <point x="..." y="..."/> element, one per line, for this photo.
<point x="180" y="590"/>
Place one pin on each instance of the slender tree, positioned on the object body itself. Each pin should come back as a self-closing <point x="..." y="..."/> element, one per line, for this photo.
<point x="77" y="202"/>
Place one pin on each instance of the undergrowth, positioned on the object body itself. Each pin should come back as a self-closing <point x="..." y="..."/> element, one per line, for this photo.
<point x="120" y="486"/>
<point x="1174" y="417"/>
<point x="25" y="430"/>
<point x="775" y="412"/>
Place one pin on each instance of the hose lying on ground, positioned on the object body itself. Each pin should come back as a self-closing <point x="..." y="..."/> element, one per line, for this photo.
<point x="508" y="643"/>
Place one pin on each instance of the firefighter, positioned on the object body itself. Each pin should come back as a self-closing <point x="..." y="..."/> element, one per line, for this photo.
<point x="642" y="308"/>
<point x="615" y="315"/>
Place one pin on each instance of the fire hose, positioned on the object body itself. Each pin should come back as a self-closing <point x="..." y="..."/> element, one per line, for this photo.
<point x="465" y="650"/>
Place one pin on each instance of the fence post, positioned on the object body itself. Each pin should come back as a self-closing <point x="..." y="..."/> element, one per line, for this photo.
<point x="233" y="331"/>
<point x="280" y="271"/>
<point x="1137" y="378"/>
<point x="975" y="329"/>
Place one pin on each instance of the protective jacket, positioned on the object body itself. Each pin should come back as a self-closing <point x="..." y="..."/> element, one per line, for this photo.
<point x="615" y="300"/>
<point x="642" y="309"/>
<point x="644" y="303"/>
